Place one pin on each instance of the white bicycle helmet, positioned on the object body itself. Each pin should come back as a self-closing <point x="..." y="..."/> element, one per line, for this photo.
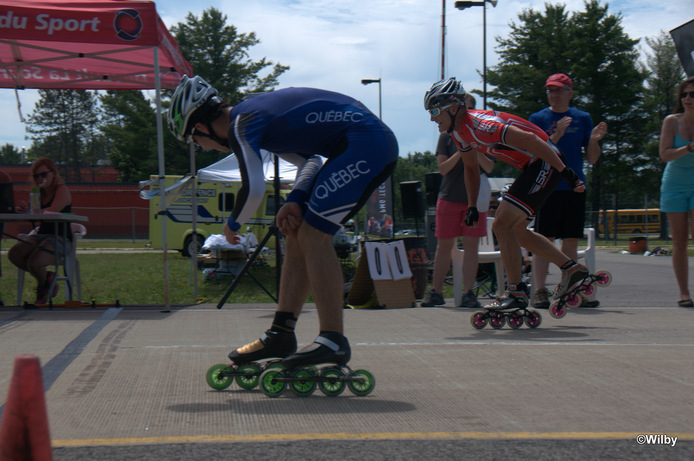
<point x="192" y="95"/>
<point x="444" y="93"/>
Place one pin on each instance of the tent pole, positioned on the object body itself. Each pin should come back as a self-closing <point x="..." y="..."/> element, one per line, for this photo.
<point x="194" y="219"/>
<point x="162" y="172"/>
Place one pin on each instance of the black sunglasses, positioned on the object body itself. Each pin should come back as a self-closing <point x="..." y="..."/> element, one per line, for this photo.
<point x="687" y="93"/>
<point x="41" y="175"/>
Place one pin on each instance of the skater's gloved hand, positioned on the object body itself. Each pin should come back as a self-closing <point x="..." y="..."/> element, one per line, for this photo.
<point x="472" y="217"/>
<point x="573" y="180"/>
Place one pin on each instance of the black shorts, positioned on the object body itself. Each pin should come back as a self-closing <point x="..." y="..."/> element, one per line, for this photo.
<point x="532" y="187"/>
<point x="563" y="215"/>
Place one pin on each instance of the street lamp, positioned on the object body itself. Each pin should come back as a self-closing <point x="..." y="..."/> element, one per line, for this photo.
<point x="482" y="3"/>
<point x="367" y="81"/>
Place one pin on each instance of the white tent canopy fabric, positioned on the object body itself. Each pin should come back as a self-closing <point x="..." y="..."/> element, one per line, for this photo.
<point x="227" y="170"/>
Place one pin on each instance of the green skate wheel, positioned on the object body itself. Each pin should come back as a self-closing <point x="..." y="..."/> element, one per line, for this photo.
<point x="305" y="382"/>
<point x="364" y="385"/>
<point x="215" y="376"/>
<point x="276" y="365"/>
<point x="270" y="384"/>
<point x="248" y="376"/>
<point x="330" y="383"/>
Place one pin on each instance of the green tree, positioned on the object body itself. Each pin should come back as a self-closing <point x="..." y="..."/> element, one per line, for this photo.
<point x="219" y="54"/>
<point x="130" y="125"/>
<point x="63" y="120"/>
<point x="664" y="72"/>
<point x="592" y="48"/>
<point x="10" y="155"/>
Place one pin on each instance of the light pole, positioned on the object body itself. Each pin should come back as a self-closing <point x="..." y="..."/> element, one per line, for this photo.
<point x="483" y="4"/>
<point x="367" y="81"/>
<point x="388" y="181"/>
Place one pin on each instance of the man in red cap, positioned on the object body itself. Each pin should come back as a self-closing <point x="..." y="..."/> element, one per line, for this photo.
<point x="563" y="214"/>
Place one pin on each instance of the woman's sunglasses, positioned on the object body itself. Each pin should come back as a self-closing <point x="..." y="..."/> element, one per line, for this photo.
<point x="687" y="93"/>
<point x="41" y="175"/>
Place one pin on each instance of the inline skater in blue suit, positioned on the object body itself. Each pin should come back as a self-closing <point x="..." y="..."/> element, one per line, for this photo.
<point x="342" y="151"/>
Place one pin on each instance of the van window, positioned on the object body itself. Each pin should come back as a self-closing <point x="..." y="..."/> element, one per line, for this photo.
<point x="270" y="205"/>
<point x="225" y="201"/>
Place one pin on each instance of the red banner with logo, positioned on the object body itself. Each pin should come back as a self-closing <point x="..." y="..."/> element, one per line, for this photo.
<point x="117" y="22"/>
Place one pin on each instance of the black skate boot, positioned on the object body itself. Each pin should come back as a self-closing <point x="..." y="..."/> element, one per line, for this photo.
<point x="516" y="298"/>
<point x="328" y="347"/>
<point x="271" y="345"/>
<point x="571" y="278"/>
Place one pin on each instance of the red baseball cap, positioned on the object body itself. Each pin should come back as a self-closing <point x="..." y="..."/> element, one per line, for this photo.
<point x="559" y="80"/>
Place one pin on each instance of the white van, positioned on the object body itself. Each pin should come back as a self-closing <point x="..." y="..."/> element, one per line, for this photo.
<point x="214" y="203"/>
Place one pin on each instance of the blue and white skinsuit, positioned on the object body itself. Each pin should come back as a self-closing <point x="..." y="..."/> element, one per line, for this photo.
<point x="303" y="126"/>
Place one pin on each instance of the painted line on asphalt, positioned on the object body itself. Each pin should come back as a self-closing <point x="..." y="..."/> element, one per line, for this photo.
<point x="360" y="436"/>
<point x="55" y="367"/>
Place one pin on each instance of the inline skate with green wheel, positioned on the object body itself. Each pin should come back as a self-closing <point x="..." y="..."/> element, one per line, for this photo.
<point x="250" y="361"/>
<point x="302" y="375"/>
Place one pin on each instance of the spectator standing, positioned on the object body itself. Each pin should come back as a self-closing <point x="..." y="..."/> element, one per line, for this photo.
<point x="563" y="214"/>
<point x="519" y="143"/>
<point x="677" y="186"/>
<point x="451" y="207"/>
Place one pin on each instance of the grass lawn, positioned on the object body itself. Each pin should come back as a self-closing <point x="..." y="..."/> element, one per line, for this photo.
<point x="137" y="278"/>
<point x="133" y="278"/>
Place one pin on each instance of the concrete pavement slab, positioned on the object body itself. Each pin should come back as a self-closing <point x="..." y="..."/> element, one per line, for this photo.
<point x="135" y="376"/>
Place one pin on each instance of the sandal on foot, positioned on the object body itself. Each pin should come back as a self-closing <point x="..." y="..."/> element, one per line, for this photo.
<point x="685" y="303"/>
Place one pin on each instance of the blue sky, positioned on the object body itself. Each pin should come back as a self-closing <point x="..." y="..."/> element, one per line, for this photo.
<point x="334" y="45"/>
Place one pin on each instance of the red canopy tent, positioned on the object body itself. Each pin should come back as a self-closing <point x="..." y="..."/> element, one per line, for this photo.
<point x="81" y="44"/>
<point x="86" y="44"/>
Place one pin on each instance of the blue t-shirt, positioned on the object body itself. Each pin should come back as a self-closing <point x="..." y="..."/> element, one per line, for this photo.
<point x="575" y="138"/>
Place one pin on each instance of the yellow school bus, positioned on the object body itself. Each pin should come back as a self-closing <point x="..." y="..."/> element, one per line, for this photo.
<point x="630" y="221"/>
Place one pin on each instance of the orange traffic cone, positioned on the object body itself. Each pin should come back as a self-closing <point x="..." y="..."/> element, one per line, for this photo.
<point x="24" y="433"/>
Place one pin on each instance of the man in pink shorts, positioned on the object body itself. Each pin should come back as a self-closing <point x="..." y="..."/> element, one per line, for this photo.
<point x="451" y="207"/>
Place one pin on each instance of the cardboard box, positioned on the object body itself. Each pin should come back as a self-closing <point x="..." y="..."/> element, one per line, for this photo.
<point x="384" y="292"/>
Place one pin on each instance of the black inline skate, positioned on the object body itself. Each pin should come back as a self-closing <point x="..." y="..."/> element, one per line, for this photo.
<point x="574" y="297"/>
<point x="513" y="309"/>
<point x="246" y="366"/>
<point x="300" y="373"/>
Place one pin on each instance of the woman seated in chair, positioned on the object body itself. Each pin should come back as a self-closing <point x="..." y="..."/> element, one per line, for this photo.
<point x="37" y="250"/>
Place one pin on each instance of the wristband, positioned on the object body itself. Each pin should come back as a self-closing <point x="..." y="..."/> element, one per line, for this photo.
<point x="233" y="225"/>
<point x="298" y="196"/>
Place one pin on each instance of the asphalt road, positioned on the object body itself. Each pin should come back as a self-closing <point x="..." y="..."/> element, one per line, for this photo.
<point x="609" y="383"/>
